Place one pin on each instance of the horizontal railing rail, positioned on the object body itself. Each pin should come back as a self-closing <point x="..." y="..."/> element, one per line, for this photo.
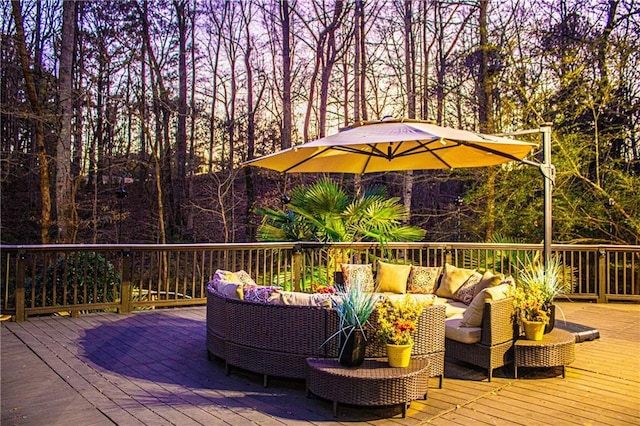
<point x="71" y="279"/>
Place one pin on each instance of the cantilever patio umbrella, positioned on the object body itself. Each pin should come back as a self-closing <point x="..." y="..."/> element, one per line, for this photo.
<point x="395" y="145"/>
<point x="405" y="144"/>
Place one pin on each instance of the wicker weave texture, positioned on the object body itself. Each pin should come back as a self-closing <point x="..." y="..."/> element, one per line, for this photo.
<point x="373" y="383"/>
<point x="555" y="349"/>
<point x="277" y="328"/>
<point x="216" y="321"/>
<point x="497" y="322"/>
<point x="495" y="347"/>
<point x="275" y="340"/>
<point x="428" y="338"/>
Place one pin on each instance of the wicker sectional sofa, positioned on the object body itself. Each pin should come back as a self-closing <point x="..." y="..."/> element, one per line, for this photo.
<point x="275" y="335"/>
<point x="275" y="340"/>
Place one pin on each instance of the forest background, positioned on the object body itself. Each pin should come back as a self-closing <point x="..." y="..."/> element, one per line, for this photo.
<point x="127" y="121"/>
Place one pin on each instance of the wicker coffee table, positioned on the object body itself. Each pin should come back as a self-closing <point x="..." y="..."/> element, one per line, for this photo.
<point x="554" y="350"/>
<point x="373" y="383"/>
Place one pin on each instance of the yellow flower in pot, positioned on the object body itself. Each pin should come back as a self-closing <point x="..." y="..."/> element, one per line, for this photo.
<point x="396" y="322"/>
<point x="529" y="304"/>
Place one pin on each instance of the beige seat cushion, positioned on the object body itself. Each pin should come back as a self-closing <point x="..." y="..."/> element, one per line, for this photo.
<point x="454" y="331"/>
<point x="297" y="298"/>
<point x="424" y="299"/>
<point x="392" y="278"/>
<point x="452" y="279"/>
<point x="453" y="308"/>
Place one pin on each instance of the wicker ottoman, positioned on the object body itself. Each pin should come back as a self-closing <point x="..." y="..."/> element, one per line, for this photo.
<point x="555" y="349"/>
<point x="373" y="383"/>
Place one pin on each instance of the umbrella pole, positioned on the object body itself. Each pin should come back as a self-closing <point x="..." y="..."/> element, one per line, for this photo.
<point x="548" y="171"/>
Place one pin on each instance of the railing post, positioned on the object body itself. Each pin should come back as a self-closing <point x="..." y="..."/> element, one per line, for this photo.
<point x="602" y="275"/>
<point x="448" y="255"/>
<point x="125" y="285"/>
<point x="296" y="265"/>
<point x="19" y="299"/>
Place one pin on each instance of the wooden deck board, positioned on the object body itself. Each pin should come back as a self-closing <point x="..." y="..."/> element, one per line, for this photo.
<point x="151" y="367"/>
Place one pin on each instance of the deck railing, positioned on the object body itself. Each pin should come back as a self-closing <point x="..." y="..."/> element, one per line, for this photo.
<point x="71" y="279"/>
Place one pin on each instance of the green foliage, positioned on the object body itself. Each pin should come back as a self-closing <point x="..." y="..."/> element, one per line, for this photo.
<point x="85" y="277"/>
<point x="325" y="212"/>
<point x="548" y="280"/>
<point x="354" y="305"/>
<point x="594" y="200"/>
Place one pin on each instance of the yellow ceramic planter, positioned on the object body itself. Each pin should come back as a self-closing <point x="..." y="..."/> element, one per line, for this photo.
<point x="399" y="355"/>
<point x="533" y="330"/>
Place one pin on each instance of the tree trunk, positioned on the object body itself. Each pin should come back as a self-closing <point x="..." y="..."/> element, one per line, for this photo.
<point x="35" y="103"/>
<point x="63" y="150"/>
<point x="251" y="134"/>
<point x="485" y="114"/>
<point x="179" y="182"/>
<point x="286" y="75"/>
<point x="410" y="87"/>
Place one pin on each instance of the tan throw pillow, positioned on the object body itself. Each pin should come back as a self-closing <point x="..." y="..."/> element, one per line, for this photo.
<point x="423" y="279"/>
<point x="392" y="278"/>
<point x="243" y="277"/>
<point x="228" y="284"/>
<point x="452" y="280"/>
<point x="472" y="317"/>
<point x="488" y="280"/>
<point x="228" y="276"/>
<point x="499" y="292"/>
<point x="360" y="273"/>
<point x="466" y="292"/>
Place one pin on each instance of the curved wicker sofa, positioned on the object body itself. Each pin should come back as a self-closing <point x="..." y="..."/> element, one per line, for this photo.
<point x="276" y="340"/>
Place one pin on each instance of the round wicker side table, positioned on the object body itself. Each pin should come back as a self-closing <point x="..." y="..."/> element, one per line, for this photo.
<point x="554" y="350"/>
<point x="373" y="383"/>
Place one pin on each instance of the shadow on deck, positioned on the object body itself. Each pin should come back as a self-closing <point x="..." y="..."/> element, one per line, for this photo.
<point x="151" y="367"/>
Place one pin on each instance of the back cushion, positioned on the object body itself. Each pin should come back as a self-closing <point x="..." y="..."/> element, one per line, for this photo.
<point x="472" y="317"/>
<point x="360" y="273"/>
<point x="228" y="284"/>
<point x="467" y="290"/>
<point x="304" y="299"/>
<point x="452" y="280"/>
<point x="423" y="279"/>
<point x="392" y="278"/>
<point x="259" y="294"/>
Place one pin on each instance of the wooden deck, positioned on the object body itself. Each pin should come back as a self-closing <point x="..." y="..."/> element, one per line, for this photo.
<point x="151" y="367"/>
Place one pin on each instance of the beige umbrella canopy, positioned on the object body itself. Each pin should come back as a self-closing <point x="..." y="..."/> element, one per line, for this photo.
<point x="395" y="145"/>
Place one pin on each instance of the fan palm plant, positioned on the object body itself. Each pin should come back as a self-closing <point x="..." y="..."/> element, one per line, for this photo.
<point x="325" y="212"/>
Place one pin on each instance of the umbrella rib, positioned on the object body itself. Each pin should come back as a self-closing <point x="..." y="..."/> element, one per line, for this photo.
<point x="490" y="150"/>
<point x="375" y="152"/>
<point x="311" y="157"/>
<point x="432" y="152"/>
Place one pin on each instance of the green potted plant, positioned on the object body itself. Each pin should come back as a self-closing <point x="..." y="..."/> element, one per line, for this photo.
<point x="354" y="306"/>
<point x="396" y="321"/>
<point x="548" y="281"/>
